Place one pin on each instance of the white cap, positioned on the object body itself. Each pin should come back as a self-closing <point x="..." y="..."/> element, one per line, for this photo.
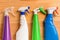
<point x="51" y="10"/>
<point x="23" y="9"/>
<point x="9" y="10"/>
<point x="36" y="10"/>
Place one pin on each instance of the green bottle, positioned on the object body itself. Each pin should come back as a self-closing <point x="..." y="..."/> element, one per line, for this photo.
<point x="36" y="27"/>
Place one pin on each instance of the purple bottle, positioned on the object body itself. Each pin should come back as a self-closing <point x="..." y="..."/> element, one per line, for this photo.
<point x="6" y="30"/>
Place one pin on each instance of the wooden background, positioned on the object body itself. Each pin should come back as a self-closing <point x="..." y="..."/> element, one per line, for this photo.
<point x="14" y="21"/>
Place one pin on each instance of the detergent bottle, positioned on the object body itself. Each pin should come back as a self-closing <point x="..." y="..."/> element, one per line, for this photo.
<point x="22" y="33"/>
<point x="50" y="31"/>
<point x="6" y="29"/>
<point x="36" y="26"/>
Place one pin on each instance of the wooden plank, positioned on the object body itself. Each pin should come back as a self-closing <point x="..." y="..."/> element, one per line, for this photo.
<point x="14" y="23"/>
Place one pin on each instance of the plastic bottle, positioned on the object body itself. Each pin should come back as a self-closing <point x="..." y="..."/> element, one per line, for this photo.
<point x="22" y="33"/>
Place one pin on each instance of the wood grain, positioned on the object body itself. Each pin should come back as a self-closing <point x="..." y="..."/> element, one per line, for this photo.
<point x="14" y="21"/>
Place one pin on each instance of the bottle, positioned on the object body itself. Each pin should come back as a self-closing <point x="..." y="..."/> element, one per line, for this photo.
<point x="22" y="33"/>
<point x="36" y="26"/>
<point x="50" y="31"/>
<point x="6" y="29"/>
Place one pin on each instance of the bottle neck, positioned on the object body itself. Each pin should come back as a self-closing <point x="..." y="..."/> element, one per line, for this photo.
<point x="50" y="11"/>
<point x="35" y="12"/>
<point x="22" y="13"/>
<point x="6" y="14"/>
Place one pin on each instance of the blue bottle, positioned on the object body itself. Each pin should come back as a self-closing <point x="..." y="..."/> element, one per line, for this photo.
<point x="50" y="32"/>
